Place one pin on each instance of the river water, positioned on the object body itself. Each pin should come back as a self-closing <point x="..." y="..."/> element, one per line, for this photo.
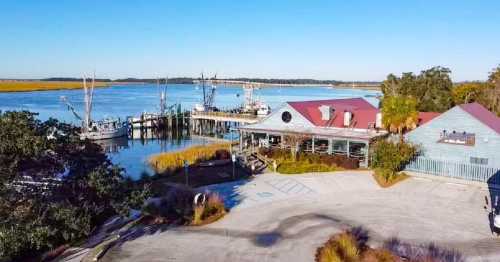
<point x="128" y="100"/>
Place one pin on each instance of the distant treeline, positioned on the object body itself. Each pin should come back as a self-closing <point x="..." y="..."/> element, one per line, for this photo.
<point x="191" y="80"/>
<point x="286" y="81"/>
<point x="73" y="79"/>
<point x="175" y="80"/>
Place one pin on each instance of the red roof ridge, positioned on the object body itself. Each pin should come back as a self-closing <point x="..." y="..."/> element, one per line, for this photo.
<point x="483" y="115"/>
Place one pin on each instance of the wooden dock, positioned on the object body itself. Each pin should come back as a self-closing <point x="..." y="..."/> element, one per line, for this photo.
<point x="196" y="123"/>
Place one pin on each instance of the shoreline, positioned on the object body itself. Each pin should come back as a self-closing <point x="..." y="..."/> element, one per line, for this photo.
<point x="55" y="86"/>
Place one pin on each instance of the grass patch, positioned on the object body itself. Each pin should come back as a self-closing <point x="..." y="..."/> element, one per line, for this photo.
<point x="173" y="161"/>
<point x="340" y="247"/>
<point x="300" y="167"/>
<point x="385" y="178"/>
<point x="209" y="212"/>
<point x="26" y="86"/>
<point x="350" y="246"/>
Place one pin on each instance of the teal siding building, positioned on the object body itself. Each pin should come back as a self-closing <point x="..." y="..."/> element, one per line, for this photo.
<point x="463" y="142"/>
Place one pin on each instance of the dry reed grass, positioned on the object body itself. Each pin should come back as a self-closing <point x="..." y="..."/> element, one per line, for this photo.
<point x="173" y="161"/>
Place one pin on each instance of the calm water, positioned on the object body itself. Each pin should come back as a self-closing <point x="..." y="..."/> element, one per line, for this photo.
<point x="127" y="100"/>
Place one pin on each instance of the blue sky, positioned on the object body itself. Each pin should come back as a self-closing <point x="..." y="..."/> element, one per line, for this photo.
<point x="344" y="40"/>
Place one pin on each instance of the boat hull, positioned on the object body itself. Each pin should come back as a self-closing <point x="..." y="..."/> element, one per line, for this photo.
<point x="101" y="135"/>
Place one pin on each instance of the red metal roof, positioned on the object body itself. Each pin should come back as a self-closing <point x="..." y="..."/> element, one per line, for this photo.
<point x="363" y="113"/>
<point x="424" y="117"/>
<point x="482" y="114"/>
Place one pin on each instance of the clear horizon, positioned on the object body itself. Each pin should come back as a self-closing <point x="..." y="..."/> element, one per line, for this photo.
<point x="325" y="40"/>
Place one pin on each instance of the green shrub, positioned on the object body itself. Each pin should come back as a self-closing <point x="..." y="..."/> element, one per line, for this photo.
<point x="392" y="156"/>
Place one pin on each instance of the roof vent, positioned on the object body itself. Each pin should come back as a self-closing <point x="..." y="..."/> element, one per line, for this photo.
<point x="378" y="120"/>
<point x="326" y="112"/>
<point x="347" y="118"/>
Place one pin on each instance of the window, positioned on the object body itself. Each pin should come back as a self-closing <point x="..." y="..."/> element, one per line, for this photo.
<point x="457" y="138"/>
<point x="286" y="117"/>
<point x="479" y="160"/>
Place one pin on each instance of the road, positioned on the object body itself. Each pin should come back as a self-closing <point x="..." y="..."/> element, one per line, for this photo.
<point x="285" y="217"/>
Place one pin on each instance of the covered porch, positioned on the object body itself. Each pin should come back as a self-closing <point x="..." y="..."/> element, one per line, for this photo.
<point x="350" y="143"/>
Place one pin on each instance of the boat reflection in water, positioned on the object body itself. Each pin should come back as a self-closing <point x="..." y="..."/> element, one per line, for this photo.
<point x="113" y="145"/>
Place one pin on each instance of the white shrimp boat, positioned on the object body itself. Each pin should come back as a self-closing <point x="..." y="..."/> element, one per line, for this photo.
<point x="96" y="130"/>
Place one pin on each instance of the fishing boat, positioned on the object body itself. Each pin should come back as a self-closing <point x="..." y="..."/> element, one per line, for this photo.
<point x="208" y="96"/>
<point x="252" y="105"/>
<point x="96" y="130"/>
<point x="152" y="119"/>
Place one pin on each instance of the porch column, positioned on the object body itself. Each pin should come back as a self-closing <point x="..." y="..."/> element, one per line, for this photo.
<point x="367" y="149"/>
<point x="241" y="141"/>
<point x="282" y="141"/>
<point x="267" y="139"/>
<point x="330" y="146"/>
<point x="312" y="144"/>
<point x="348" y="149"/>
<point x="251" y="142"/>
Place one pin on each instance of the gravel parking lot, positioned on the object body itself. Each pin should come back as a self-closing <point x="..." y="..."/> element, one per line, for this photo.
<point x="285" y="217"/>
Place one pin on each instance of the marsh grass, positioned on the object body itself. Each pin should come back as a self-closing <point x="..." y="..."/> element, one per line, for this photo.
<point x="25" y="86"/>
<point x="173" y="161"/>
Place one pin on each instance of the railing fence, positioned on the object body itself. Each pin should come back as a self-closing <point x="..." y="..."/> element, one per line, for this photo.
<point x="472" y="172"/>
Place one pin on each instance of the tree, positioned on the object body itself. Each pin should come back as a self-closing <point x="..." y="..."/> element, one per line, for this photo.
<point x="469" y="92"/>
<point x="294" y="140"/>
<point x="492" y="94"/>
<point x="53" y="190"/>
<point x="431" y="88"/>
<point x="399" y="113"/>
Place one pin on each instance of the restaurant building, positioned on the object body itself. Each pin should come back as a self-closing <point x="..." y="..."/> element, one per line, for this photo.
<point x="336" y="126"/>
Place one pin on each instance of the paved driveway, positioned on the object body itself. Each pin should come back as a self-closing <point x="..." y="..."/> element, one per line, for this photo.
<point x="284" y="218"/>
